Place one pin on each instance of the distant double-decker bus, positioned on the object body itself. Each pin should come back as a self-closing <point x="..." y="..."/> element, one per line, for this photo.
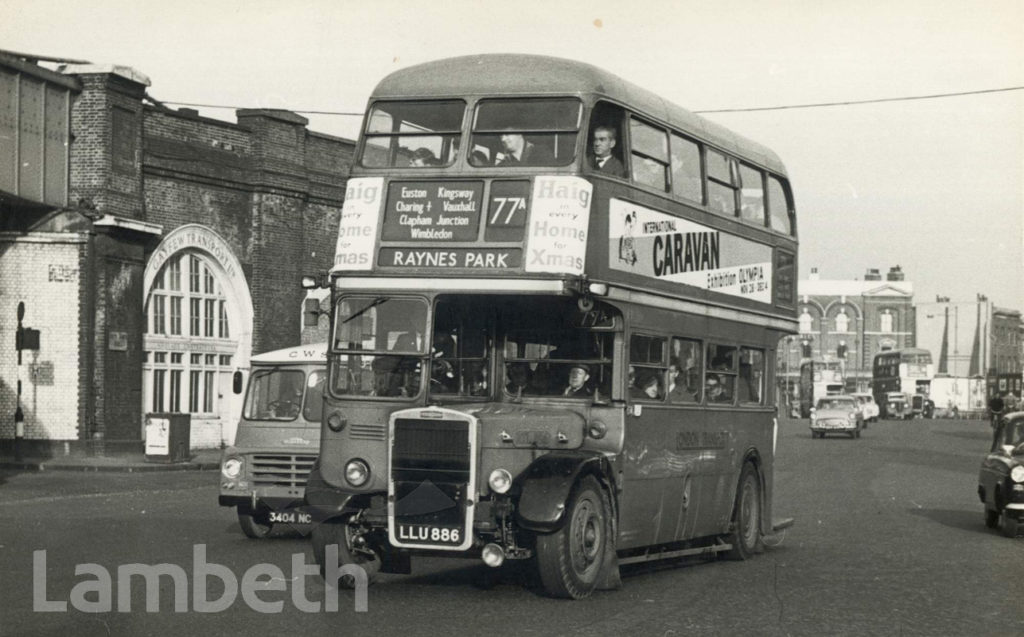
<point x="907" y="372"/>
<point x="818" y="377"/>
<point x="556" y="302"/>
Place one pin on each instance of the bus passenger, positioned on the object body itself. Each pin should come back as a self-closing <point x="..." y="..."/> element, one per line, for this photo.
<point x="424" y="157"/>
<point x="677" y="390"/>
<point x="518" y="378"/>
<point x="516" y="150"/>
<point x="604" y="161"/>
<point x="717" y="392"/>
<point x="652" y="387"/>
<point x="579" y="374"/>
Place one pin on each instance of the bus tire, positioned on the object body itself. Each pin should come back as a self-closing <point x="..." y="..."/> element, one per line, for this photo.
<point x="341" y="532"/>
<point x="745" y="535"/>
<point x="254" y="525"/>
<point x="571" y="559"/>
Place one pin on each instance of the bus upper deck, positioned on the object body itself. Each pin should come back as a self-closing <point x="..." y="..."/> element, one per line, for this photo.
<point x="468" y="167"/>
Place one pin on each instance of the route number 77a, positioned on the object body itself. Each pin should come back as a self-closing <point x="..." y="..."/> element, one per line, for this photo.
<point x="513" y="204"/>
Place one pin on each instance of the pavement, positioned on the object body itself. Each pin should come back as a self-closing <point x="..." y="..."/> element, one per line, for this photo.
<point x="114" y="461"/>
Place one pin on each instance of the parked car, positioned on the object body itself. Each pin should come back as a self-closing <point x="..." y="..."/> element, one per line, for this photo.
<point x="868" y="407"/>
<point x="836" y="414"/>
<point x="1001" y="480"/>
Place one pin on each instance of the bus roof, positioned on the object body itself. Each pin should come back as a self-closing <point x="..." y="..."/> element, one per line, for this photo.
<point x="313" y="353"/>
<point x="502" y="74"/>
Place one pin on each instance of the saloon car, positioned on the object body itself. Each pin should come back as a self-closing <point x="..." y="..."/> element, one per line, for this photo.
<point x="868" y="407"/>
<point x="836" y="414"/>
<point x="1001" y="480"/>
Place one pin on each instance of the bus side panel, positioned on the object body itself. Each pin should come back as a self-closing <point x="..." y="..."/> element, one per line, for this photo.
<point x="663" y="473"/>
<point x="748" y="435"/>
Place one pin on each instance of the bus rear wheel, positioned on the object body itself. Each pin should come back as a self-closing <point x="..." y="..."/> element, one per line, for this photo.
<point x="745" y="536"/>
<point x="254" y="525"/>
<point x="571" y="559"/>
<point x="352" y="549"/>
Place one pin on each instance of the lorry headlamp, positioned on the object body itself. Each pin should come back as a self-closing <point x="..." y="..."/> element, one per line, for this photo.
<point x="232" y="468"/>
<point x="1017" y="473"/>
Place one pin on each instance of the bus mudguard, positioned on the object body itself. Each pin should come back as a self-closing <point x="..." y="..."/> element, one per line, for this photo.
<point x="547" y="483"/>
<point x="324" y="501"/>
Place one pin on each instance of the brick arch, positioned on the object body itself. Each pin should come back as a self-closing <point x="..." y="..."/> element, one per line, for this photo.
<point x="815" y="311"/>
<point x="857" y="312"/>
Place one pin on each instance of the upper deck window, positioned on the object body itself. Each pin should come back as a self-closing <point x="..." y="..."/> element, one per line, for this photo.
<point x="752" y="194"/>
<point x="413" y="134"/>
<point x="778" y="206"/>
<point x="722" y="182"/>
<point x="686" y="176"/>
<point x="525" y="132"/>
<point x="649" y="146"/>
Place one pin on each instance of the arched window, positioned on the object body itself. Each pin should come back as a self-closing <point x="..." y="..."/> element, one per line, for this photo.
<point x="886" y="319"/>
<point x="842" y="321"/>
<point x="189" y="344"/>
<point x="806" y="322"/>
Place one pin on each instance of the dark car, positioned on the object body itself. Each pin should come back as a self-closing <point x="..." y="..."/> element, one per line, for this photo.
<point x="1001" y="481"/>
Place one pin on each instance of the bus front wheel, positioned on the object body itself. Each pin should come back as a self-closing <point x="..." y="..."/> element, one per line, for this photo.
<point x="353" y="548"/>
<point x="745" y="536"/>
<point x="571" y="559"/>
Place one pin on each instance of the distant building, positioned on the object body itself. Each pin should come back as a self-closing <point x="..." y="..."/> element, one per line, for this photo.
<point x="154" y="250"/>
<point x="973" y="341"/>
<point x="851" y="321"/>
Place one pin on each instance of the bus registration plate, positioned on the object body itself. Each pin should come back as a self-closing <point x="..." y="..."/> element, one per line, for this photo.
<point x="424" y="533"/>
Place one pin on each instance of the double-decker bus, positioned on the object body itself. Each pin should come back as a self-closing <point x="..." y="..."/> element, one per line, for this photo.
<point x="532" y="357"/>
<point x="818" y="377"/>
<point x="901" y="382"/>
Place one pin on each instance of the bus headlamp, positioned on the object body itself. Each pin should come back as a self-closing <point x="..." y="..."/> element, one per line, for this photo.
<point x="1017" y="473"/>
<point x="356" y="472"/>
<point x="500" y="481"/>
<point x="232" y="468"/>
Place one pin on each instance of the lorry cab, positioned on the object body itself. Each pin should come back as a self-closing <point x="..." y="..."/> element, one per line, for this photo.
<point x="263" y="475"/>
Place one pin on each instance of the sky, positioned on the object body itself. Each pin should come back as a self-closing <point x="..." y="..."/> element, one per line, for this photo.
<point x="935" y="186"/>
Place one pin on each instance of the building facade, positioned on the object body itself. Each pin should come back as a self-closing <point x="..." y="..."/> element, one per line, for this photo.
<point x="174" y="256"/>
<point x="851" y="321"/>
